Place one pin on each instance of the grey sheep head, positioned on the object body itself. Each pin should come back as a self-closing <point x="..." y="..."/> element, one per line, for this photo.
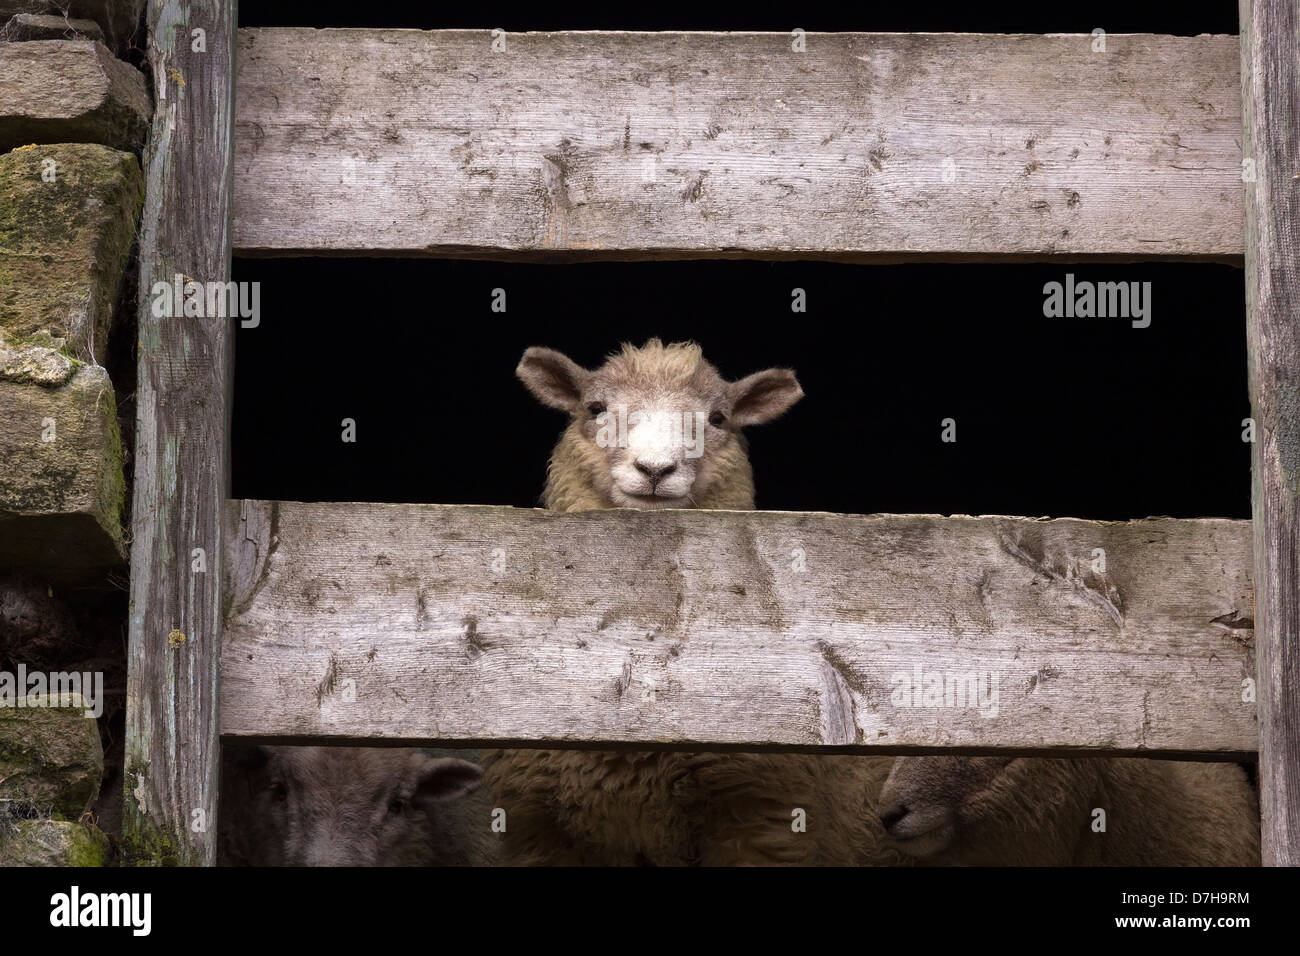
<point x="347" y="806"/>
<point x="995" y="811"/>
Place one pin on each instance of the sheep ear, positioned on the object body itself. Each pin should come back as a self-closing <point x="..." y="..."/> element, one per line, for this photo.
<point x="444" y="778"/>
<point x="555" y="379"/>
<point x="763" y="396"/>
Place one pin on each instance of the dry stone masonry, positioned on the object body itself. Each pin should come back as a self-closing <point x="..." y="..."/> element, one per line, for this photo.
<point x="74" y="113"/>
<point x="64" y="242"/>
<point x="70" y="90"/>
<point x="118" y="21"/>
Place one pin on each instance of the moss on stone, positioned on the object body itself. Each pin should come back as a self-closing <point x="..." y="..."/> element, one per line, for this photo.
<point x="64" y="244"/>
<point x="51" y="761"/>
<point x="53" y="843"/>
<point x="80" y="473"/>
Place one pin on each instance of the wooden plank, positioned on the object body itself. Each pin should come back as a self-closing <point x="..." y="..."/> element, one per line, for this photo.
<point x="181" y="479"/>
<point x="1270" y="69"/>
<point x="696" y="630"/>
<point x="658" y="145"/>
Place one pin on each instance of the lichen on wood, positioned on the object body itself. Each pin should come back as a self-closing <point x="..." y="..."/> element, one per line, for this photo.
<point x="183" y="404"/>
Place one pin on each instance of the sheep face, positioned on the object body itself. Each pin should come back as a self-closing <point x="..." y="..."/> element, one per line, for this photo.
<point x="987" y="810"/>
<point x="923" y="798"/>
<point x="656" y="426"/>
<point x="343" y="806"/>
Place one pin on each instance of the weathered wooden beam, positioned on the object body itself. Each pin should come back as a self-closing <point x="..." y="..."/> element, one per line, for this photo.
<point x="866" y="147"/>
<point x="1270" y="70"/>
<point x="700" y="630"/>
<point x="181" y="478"/>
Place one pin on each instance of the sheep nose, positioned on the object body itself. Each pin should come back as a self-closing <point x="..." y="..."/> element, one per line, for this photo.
<point x="654" y="471"/>
<point x="891" y="816"/>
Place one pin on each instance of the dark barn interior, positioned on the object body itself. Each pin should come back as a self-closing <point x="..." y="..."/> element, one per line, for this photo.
<point x="1082" y="417"/>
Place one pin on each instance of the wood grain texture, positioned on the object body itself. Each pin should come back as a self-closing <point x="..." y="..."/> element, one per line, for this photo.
<point x="694" y="630"/>
<point x="658" y="145"/>
<point x="181" y="478"/>
<point x="1270" y="35"/>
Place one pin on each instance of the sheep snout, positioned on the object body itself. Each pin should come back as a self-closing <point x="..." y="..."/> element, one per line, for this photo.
<point x="919" y="831"/>
<point x="655" y="471"/>
<point x="652" y="482"/>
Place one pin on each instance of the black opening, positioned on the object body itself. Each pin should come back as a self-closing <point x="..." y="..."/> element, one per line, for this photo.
<point x="1085" y="417"/>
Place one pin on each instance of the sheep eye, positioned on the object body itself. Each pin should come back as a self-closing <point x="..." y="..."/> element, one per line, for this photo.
<point x="595" y="407"/>
<point x="717" y="419"/>
<point x="279" y="792"/>
<point x="396" y="806"/>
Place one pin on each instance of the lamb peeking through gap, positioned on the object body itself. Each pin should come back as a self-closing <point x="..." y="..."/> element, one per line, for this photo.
<point x="582" y="807"/>
<point x="654" y="427"/>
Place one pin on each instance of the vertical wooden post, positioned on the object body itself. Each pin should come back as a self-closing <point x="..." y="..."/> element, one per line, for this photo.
<point x="181" y="465"/>
<point x="1270" y="84"/>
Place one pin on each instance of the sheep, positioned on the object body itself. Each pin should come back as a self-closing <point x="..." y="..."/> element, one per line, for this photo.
<point x="629" y="808"/>
<point x="351" y="806"/>
<point x="1008" y="811"/>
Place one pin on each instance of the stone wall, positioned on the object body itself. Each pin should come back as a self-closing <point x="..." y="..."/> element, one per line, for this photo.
<point x="73" y="116"/>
